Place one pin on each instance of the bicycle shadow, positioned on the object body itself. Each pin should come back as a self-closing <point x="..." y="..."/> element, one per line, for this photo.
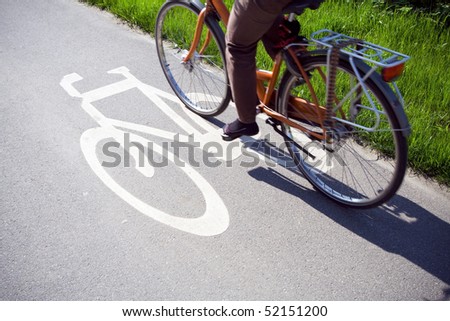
<point x="401" y="226"/>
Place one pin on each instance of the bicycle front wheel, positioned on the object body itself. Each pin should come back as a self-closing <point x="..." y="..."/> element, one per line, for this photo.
<point x="200" y="82"/>
<point x="365" y="165"/>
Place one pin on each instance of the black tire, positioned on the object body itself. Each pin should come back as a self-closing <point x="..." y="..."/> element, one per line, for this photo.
<point x="202" y="82"/>
<point x="366" y="165"/>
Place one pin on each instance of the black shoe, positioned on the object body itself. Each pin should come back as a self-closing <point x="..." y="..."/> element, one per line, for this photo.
<point x="237" y="129"/>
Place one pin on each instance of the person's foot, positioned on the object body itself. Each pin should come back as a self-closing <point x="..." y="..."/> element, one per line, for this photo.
<point x="237" y="129"/>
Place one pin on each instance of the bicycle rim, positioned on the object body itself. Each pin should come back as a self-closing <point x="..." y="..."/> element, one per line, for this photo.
<point x="201" y="83"/>
<point x="366" y="163"/>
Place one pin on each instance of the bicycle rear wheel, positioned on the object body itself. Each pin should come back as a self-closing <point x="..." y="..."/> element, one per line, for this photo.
<point x="201" y="82"/>
<point x="366" y="164"/>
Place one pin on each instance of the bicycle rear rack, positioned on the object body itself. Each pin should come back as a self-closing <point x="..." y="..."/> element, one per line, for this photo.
<point x="366" y="51"/>
<point x="388" y="62"/>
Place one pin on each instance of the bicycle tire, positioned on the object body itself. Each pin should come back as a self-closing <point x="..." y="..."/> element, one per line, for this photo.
<point x="202" y="82"/>
<point x="362" y="170"/>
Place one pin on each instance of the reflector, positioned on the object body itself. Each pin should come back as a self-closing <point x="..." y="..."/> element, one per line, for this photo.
<point x="392" y="73"/>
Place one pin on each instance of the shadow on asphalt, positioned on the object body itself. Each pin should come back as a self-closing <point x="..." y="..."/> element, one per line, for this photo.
<point x="400" y="226"/>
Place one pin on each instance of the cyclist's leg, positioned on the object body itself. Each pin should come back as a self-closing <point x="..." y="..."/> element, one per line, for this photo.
<point x="271" y="38"/>
<point x="249" y="21"/>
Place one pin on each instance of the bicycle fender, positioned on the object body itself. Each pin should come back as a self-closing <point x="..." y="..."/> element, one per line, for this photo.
<point x="195" y="3"/>
<point x="398" y="110"/>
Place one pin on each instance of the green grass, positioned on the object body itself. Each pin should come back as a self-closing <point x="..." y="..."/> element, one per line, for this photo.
<point x="425" y="83"/>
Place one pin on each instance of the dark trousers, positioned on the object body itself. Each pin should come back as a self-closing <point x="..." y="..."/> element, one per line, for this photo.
<point x="250" y="21"/>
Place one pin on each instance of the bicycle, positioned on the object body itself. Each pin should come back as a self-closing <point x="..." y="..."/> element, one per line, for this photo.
<point x="336" y="106"/>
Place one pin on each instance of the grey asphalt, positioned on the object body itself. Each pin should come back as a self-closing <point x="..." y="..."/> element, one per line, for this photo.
<point x="64" y="235"/>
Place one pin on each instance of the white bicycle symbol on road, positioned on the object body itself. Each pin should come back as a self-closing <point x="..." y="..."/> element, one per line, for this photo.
<point x="215" y="219"/>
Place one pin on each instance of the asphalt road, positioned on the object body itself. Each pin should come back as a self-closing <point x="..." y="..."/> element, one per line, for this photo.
<point x="240" y="229"/>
